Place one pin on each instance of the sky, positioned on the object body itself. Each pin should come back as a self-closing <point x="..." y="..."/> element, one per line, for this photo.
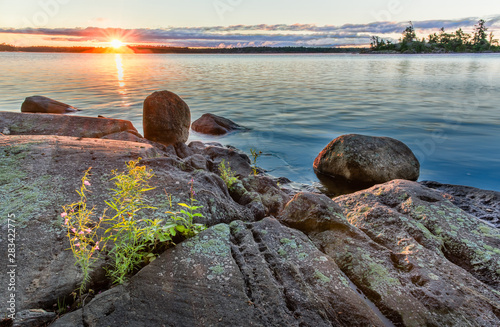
<point x="229" y="23"/>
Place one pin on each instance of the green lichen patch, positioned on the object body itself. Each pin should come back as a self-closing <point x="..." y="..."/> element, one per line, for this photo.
<point x="24" y="195"/>
<point x="321" y="277"/>
<point x="212" y="243"/>
<point x="218" y="270"/>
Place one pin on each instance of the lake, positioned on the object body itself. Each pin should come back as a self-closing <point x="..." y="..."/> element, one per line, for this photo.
<point x="444" y="107"/>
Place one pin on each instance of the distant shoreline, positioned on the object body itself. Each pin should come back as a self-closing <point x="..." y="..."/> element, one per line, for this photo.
<point x="177" y="50"/>
<point x="246" y="50"/>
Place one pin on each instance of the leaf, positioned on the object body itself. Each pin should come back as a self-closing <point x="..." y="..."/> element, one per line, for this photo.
<point x="185" y="205"/>
<point x="181" y="228"/>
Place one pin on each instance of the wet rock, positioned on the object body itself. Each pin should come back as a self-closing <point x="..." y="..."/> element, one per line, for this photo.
<point x="260" y="274"/>
<point x="214" y="125"/>
<point x="48" y="124"/>
<point x="166" y="118"/>
<point x="483" y="204"/>
<point x="367" y="159"/>
<point x="45" y="105"/>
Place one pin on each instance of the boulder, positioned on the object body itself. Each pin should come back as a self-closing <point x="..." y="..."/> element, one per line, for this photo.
<point x="214" y="125"/>
<point x="166" y="118"/>
<point x="39" y="174"/>
<point x="49" y="124"/>
<point x="46" y="105"/>
<point x="244" y="274"/>
<point x="367" y="159"/>
<point x="418" y="257"/>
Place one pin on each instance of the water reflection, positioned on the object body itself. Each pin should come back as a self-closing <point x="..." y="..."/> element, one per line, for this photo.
<point x="119" y="68"/>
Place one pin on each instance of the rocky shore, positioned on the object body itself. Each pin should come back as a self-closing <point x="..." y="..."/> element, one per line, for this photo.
<point x="400" y="253"/>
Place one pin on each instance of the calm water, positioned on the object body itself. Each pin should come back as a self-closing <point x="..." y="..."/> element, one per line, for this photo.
<point x="444" y="107"/>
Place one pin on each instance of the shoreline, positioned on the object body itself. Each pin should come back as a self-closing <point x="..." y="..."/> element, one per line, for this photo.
<point x="358" y="253"/>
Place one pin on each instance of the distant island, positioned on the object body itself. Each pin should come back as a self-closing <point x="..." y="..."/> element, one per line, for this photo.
<point x="459" y="41"/>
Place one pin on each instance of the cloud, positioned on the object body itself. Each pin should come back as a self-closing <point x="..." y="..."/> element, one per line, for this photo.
<point x="254" y="35"/>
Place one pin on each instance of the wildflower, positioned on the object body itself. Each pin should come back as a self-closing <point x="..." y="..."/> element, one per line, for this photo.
<point x="88" y="230"/>
<point x="97" y="247"/>
<point x="86" y="183"/>
<point x="66" y="221"/>
<point x="64" y="214"/>
<point x="81" y="232"/>
<point x="77" y="244"/>
<point x="73" y="230"/>
<point x="193" y="192"/>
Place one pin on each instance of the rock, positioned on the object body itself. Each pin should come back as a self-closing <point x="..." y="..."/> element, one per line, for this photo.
<point x="260" y="274"/>
<point x="483" y="204"/>
<point x="39" y="174"/>
<point x="126" y="136"/>
<point x="264" y="190"/>
<point x="214" y="125"/>
<point x="45" y="105"/>
<point x="33" y="318"/>
<point x="418" y="257"/>
<point x="311" y="212"/>
<point x="166" y="118"/>
<point x="239" y="162"/>
<point x="367" y="159"/>
<point x="48" y="124"/>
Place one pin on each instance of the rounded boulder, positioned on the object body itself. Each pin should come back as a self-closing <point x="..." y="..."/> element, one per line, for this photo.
<point x="214" y="125"/>
<point x="45" y="105"/>
<point x="368" y="159"/>
<point x="166" y="118"/>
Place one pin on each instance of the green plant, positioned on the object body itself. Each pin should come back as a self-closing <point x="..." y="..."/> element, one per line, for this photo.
<point x="61" y="306"/>
<point x="132" y="239"/>
<point x="81" y="232"/>
<point x="133" y="242"/>
<point x="255" y="156"/>
<point x="183" y="218"/>
<point x="227" y="175"/>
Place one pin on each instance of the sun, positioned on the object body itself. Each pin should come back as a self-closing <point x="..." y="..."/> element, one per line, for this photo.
<point x="116" y="43"/>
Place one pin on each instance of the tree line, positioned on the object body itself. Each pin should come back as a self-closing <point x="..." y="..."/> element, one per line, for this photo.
<point x="167" y="49"/>
<point x="459" y="41"/>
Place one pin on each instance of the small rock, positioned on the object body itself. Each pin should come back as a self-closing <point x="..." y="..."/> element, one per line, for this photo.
<point x="214" y="125"/>
<point x="166" y="118"/>
<point x="6" y="131"/>
<point x="33" y="318"/>
<point x="368" y="159"/>
<point x="46" y="105"/>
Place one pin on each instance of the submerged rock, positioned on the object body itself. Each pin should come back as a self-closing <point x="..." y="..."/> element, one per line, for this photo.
<point x="367" y="159"/>
<point x="259" y="274"/>
<point x="45" y="105"/>
<point x="48" y="124"/>
<point x="166" y="118"/>
<point x="214" y="125"/>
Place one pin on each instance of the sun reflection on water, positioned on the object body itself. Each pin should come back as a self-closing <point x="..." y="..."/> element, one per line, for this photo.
<point x="120" y="74"/>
